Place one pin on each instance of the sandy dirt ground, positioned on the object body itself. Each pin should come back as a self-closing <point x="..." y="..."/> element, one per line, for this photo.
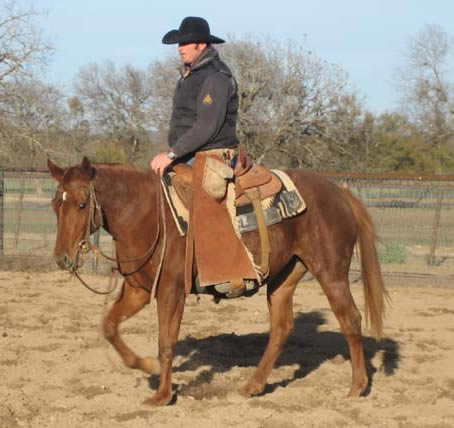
<point x="57" y="371"/>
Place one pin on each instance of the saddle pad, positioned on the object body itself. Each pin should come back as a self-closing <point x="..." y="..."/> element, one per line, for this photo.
<point x="285" y="204"/>
<point x="292" y="203"/>
<point x="179" y="212"/>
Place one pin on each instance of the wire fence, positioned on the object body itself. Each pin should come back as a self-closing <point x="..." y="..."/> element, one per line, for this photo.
<point x="28" y="224"/>
<point x="414" y="217"/>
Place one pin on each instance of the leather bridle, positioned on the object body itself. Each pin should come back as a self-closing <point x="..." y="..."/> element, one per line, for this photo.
<point x="85" y="245"/>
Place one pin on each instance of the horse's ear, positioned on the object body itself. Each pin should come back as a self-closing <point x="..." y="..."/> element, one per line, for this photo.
<point x="88" y="168"/>
<point x="55" y="170"/>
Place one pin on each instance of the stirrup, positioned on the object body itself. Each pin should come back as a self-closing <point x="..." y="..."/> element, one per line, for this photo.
<point x="236" y="290"/>
<point x="231" y="289"/>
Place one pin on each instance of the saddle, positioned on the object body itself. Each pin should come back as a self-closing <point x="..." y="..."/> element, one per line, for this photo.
<point x="253" y="183"/>
<point x="259" y="179"/>
<point x="213" y="205"/>
<point x="254" y="178"/>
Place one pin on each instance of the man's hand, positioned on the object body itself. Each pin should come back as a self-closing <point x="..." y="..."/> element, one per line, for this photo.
<point x="160" y="163"/>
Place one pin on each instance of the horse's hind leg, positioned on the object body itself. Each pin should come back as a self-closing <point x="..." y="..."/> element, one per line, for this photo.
<point x="349" y="317"/>
<point x="280" y="305"/>
<point x="130" y="301"/>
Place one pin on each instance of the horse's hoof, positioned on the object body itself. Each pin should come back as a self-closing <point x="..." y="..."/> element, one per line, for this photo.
<point x="251" y="390"/>
<point x="158" y="400"/>
<point x="357" y="391"/>
<point x="150" y="366"/>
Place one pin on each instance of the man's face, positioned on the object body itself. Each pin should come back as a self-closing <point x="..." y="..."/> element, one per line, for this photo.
<point x="190" y="52"/>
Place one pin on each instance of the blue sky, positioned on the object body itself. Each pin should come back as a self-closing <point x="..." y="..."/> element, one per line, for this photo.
<point x="365" y="37"/>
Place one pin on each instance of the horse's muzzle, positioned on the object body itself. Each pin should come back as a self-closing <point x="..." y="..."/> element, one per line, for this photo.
<point x="65" y="262"/>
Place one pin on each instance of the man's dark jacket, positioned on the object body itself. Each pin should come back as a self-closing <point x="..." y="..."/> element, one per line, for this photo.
<point x="205" y="107"/>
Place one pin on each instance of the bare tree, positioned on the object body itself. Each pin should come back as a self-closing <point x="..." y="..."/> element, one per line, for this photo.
<point x="22" y="45"/>
<point x="77" y="123"/>
<point x="32" y="118"/>
<point x="425" y="82"/>
<point x="116" y="102"/>
<point x="163" y="76"/>
<point x="290" y="103"/>
<point x="23" y="52"/>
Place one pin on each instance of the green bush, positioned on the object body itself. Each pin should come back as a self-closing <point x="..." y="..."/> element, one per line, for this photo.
<point x="110" y="153"/>
<point x="393" y="252"/>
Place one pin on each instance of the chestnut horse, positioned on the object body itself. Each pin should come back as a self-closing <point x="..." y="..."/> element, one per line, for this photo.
<point x="129" y="204"/>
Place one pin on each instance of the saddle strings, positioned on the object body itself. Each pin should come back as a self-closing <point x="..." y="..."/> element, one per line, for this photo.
<point x="164" y="238"/>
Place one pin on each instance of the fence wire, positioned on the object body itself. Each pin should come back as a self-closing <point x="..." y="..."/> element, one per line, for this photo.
<point x="414" y="219"/>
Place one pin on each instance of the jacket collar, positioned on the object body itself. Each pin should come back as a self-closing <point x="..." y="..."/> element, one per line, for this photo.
<point x="208" y="55"/>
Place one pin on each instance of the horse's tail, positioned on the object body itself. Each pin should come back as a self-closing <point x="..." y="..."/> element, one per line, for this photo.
<point x="375" y="293"/>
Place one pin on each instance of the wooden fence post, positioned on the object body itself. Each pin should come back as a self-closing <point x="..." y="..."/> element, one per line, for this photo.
<point x="435" y="227"/>
<point x="96" y="240"/>
<point x="20" y="210"/>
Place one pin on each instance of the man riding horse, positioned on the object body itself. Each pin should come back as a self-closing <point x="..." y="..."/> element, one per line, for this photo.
<point x="202" y="126"/>
<point x="157" y="261"/>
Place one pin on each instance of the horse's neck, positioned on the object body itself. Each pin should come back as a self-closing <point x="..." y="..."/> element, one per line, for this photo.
<point x="126" y="198"/>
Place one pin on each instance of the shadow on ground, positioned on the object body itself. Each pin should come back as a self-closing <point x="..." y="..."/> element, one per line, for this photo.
<point x="307" y="348"/>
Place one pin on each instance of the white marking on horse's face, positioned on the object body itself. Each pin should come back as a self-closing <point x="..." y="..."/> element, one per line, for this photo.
<point x="64" y="196"/>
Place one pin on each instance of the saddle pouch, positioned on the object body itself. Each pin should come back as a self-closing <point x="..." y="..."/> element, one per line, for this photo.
<point x="215" y="176"/>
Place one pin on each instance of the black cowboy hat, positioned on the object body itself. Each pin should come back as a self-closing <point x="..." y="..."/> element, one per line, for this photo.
<point x="192" y="30"/>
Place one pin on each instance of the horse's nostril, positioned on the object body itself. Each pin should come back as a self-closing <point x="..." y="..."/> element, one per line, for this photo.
<point x="64" y="262"/>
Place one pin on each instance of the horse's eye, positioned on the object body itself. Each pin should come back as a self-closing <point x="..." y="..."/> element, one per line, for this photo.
<point x="83" y="205"/>
<point x="57" y="197"/>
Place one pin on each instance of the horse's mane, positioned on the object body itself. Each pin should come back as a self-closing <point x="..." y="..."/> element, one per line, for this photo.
<point x="125" y="171"/>
<point x="115" y="165"/>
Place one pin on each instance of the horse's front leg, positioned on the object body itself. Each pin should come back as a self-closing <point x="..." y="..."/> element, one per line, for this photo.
<point x="170" y="302"/>
<point x="280" y="305"/>
<point x="130" y="301"/>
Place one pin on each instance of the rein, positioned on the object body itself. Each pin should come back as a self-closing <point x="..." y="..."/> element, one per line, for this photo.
<point x="112" y="287"/>
<point x="85" y="245"/>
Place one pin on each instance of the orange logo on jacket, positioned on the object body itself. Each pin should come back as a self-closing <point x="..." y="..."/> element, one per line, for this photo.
<point x="208" y="99"/>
